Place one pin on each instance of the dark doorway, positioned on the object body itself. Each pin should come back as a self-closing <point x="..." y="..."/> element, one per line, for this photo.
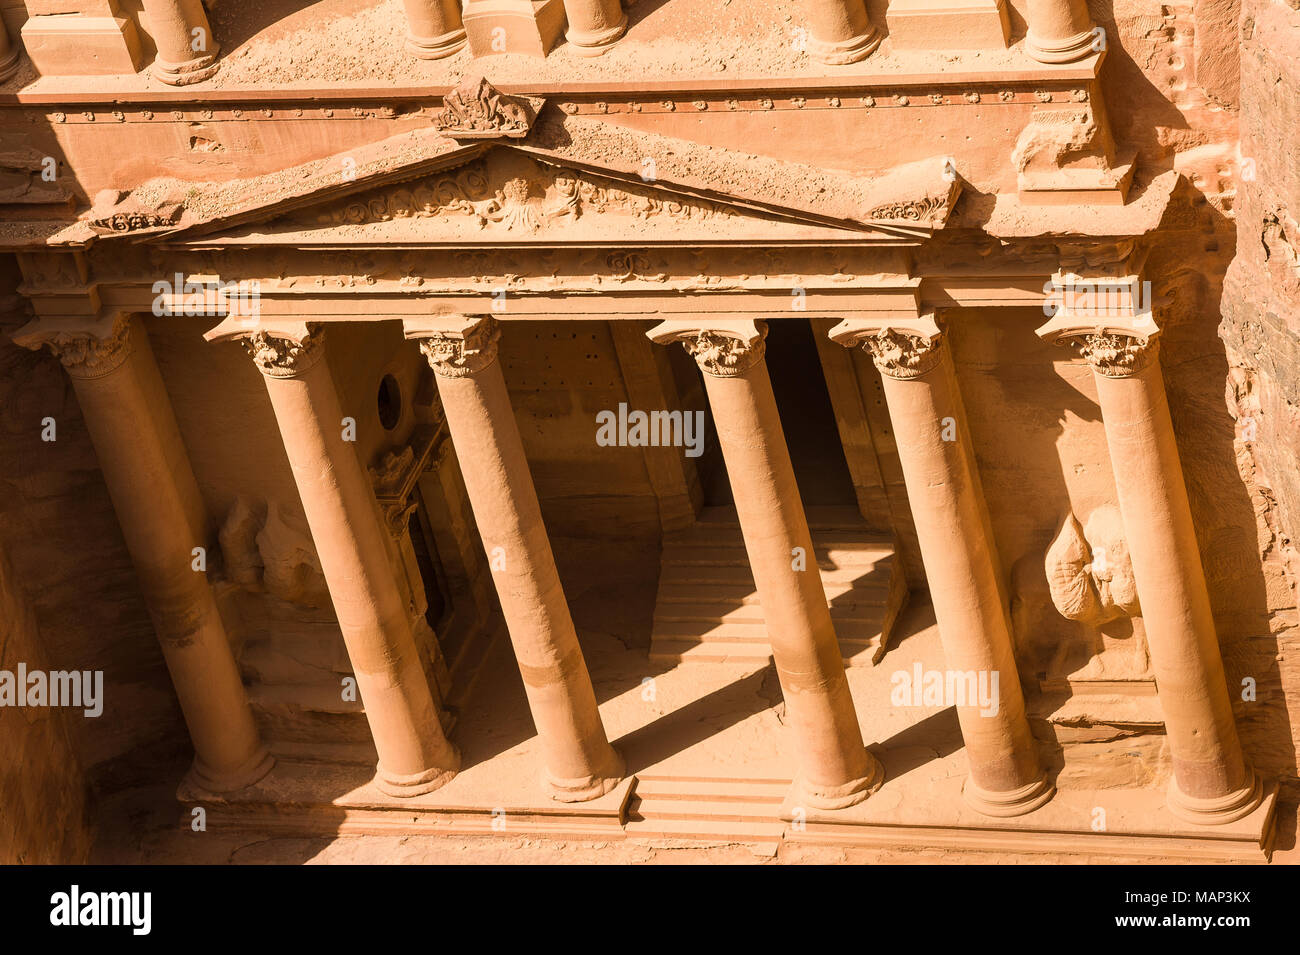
<point x="807" y="418"/>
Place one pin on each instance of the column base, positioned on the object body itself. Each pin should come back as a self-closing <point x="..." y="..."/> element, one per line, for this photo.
<point x="1218" y="811"/>
<point x="1014" y="802"/>
<point x="841" y="52"/>
<point x="183" y="74"/>
<point x="587" y="787"/>
<point x="415" y="784"/>
<point x="232" y="780"/>
<point x="1060" y="51"/>
<point x="589" y="43"/>
<point x="840" y="797"/>
<point x="436" y="47"/>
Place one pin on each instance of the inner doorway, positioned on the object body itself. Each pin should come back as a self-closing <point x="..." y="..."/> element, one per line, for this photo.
<point x="807" y="418"/>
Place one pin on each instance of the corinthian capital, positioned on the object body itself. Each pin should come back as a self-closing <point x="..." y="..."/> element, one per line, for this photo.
<point x="281" y="350"/>
<point x="723" y="349"/>
<point x="87" y="349"/>
<point x="456" y="346"/>
<point x="1114" y="355"/>
<point x="900" y="348"/>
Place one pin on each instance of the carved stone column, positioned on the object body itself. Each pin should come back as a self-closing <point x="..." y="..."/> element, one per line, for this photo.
<point x="959" y="554"/>
<point x="147" y="471"/>
<point x="187" y="51"/>
<point x="840" y="31"/>
<point x="414" y="755"/>
<point x="10" y="55"/>
<point x="435" y="29"/>
<point x="1212" y="783"/>
<point x="594" y="25"/>
<point x="1060" y="31"/>
<point x="579" y="762"/>
<point x="835" y="769"/>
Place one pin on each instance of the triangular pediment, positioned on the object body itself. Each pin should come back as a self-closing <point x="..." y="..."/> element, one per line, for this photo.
<point x="569" y="181"/>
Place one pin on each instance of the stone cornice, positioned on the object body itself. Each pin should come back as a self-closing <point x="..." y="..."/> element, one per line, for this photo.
<point x="867" y="76"/>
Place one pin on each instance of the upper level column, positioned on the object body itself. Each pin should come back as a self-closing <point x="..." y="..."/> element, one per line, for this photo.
<point x="959" y="554"/>
<point x="133" y="428"/>
<point x="1060" y="31"/>
<point x="187" y="51"/>
<point x="435" y="28"/>
<point x="594" y="25"/>
<point x="579" y="762"/>
<point x="1212" y="783"/>
<point x="339" y="501"/>
<point x="835" y="769"/>
<point x="840" y="30"/>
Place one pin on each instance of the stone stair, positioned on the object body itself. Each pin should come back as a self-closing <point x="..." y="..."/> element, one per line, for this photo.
<point x="707" y="609"/>
<point x="706" y="809"/>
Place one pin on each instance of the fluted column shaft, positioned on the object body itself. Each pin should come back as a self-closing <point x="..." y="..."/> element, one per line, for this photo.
<point x="839" y="30"/>
<point x="960" y="559"/>
<point x="579" y="762"/>
<point x="435" y="28"/>
<point x="1212" y="783"/>
<point x="338" y="499"/>
<point x="147" y="471"/>
<point x="594" y="25"/>
<point x="1060" y="31"/>
<point x="835" y="769"/>
<point x="187" y="51"/>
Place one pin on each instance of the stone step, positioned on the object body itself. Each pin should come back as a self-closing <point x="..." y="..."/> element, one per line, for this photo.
<point x="872" y="589"/>
<point x="739" y="574"/>
<point x="664" y="650"/>
<point x="704" y="787"/>
<point x="705" y="831"/>
<point x="720" y="612"/>
<point x="829" y="558"/>
<point x="702" y="810"/>
<point x="853" y="634"/>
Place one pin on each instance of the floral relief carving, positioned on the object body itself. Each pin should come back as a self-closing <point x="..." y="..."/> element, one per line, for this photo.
<point x="517" y="202"/>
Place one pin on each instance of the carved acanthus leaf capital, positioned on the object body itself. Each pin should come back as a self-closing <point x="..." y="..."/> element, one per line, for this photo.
<point x="726" y="349"/>
<point x="1114" y="355"/>
<point x="906" y="348"/>
<point x="459" y="347"/>
<point x="284" y="353"/>
<point x="90" y="350"/>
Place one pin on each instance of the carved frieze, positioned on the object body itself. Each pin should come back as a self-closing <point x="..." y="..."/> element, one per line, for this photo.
<point x="525" y="197"/>
<point x="134" y="220"/>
